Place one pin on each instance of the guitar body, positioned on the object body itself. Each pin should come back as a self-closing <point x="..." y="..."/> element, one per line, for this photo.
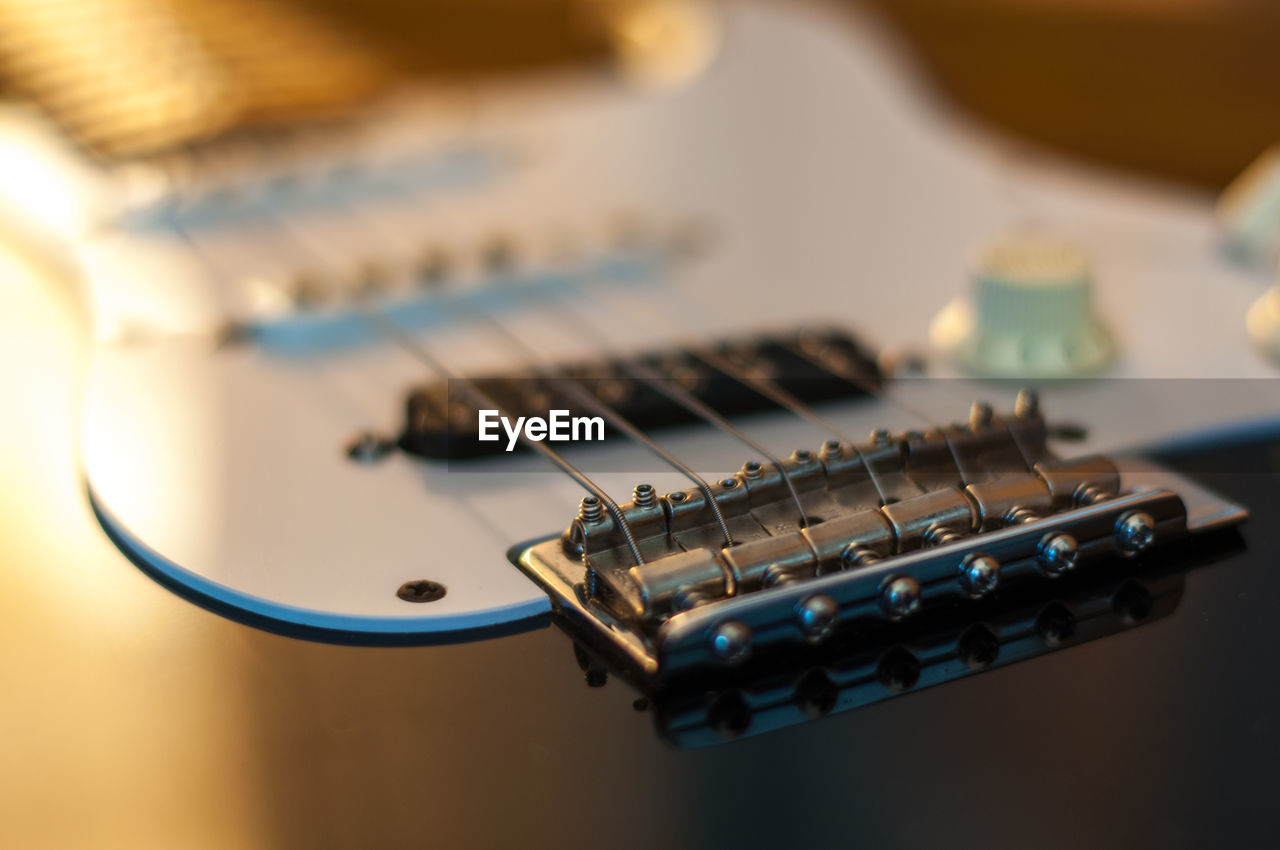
<point x="219" y="466"/>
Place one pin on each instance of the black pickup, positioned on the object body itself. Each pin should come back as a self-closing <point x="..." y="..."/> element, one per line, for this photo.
<point x="441" y="418"/>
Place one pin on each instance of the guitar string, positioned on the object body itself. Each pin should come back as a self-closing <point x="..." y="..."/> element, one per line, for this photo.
<point x="636" y="371"/>
<point x="869" y="387"/>
<point x="766" y="388"/>
<point x="686" y="399"/>
<point x="388" y="328"/>
<point x="774" y="393"/>
<point x="779" y="395"/>
<point x="640" y="372"/>
<point x="584" y="397"/>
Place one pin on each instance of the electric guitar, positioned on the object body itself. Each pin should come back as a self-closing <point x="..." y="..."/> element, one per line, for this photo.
<point x="312" y="370"/>
<point x="772" y="307"/>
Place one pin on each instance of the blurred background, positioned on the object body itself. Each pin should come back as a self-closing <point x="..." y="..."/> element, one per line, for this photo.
<point x="1184" y="89"/>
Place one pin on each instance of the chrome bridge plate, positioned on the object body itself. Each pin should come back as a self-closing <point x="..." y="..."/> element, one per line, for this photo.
<point x="716" y="636"/>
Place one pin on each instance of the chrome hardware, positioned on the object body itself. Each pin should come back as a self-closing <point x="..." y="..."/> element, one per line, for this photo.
<point x="900" y="597"/>
<point x="969" y="509"/>
<point x="979" y="574"/>
<point x="1057" y="554"/>
<point x="1135" y="532"/>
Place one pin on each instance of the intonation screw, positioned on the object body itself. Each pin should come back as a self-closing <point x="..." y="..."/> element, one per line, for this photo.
<point x="900" y="596"/>
<point x="1027" y="405"/>
<point x="644" y="496"/>
<point x="751" y="469"/>
<point x="590" y="510"/>
<point x="857" y="555"/>
<point x="832" y="450"/>
<point x="1088" y="494"/>
<point x="688" y="598"/>
<point x="776" y="574"/>
<point x="1020" y="516"/>
<point x="731" y="642"/>
<point x="980" y="415"/>
<point x="939" y="535"/>
<point x="979" y="574"/>
<point x="1057" y="553"/>
<point x="816" y="615"/>
<point x="1135" y="532"/>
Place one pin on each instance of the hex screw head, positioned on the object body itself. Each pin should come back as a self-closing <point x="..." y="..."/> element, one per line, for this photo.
<point x="1135" y="532"/>
<point x="979" y="574"/>
<point x="816" y="615"/>
<point x="1057" y="554"/>
<point x="731" y="642"/>
<point x="900" y="596"/>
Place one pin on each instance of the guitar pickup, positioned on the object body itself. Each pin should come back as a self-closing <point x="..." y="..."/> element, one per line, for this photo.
<point x="854" y="536"/>
<point x="442" y="425"/>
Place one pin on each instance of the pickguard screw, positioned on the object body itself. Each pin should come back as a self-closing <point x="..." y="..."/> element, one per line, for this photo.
<point x="900" y="596"/>
<point x="1057" y="553"/>
<point x="368" y="447"/>
<point x="979" y="574"/>
<point x="731" y="641"/>
<point x="644" y="496"/>
<point x="421" y="590"/>
<point x="817" y="615"/>
<point x="1135" y="532"/>
<point x="590" y="509"/>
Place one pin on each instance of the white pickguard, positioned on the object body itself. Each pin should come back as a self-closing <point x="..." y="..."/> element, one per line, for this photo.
<point x="836" y="192"/>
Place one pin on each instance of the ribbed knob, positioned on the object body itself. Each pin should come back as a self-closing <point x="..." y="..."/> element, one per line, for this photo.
<point x="1030" y="313"/>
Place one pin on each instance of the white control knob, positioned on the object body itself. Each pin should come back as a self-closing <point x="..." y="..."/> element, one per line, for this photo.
<point x="1030" y="313"/>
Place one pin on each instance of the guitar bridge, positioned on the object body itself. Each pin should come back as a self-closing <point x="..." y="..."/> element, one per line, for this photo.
<point x="851" y="536"/>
